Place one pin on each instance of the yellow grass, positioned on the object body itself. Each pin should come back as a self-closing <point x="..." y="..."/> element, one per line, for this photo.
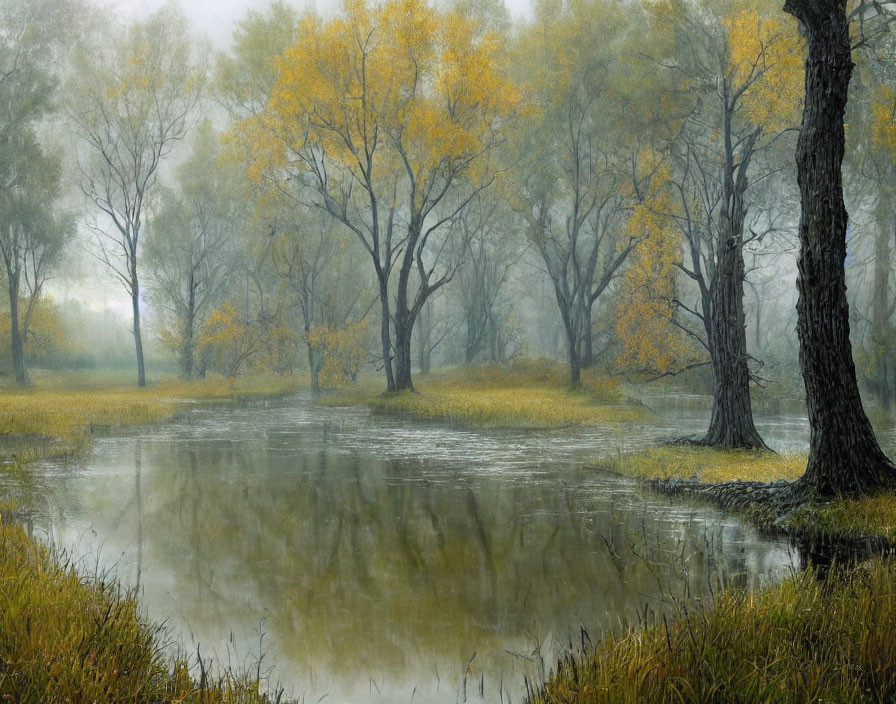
<point x="869" y="517"/>
<point x="805" y="640"/>
<point x="67" y="638"/>
<point x="51" y="419"/>
<point x="704" y="464"/>
<point x="857" y="518"/>
<point x="529" y="394"/>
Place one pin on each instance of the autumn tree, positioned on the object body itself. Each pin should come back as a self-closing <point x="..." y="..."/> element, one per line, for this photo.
<point x="386" y="117"/>
<point x="741" y="71"/>
<point x="316" y="261"/>
<point x="578" y="176"/>
<point x="844" y="455"/>
<point x="190" y="243"/>
<point x="132" y="102"/>
<point x="33" y="234"/>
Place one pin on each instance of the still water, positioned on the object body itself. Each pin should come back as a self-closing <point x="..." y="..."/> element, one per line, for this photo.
<point x="372" y="560"/>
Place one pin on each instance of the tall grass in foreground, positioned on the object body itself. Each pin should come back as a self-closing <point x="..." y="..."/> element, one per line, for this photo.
<point x="69" y="638"/>
<point x="805" y="640"/>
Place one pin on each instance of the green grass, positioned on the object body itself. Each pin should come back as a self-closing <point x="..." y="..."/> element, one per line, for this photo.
<point x="58" y="415"/>
<point x="68" y="638"/>
<point x="528" y="394"/>
<point x="804" y="640"/>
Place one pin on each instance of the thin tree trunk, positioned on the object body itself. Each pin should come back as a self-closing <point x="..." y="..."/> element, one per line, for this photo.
<point x="313" y="369"/>
<point x="385" y="334"/>
<point x="844" y="455"/>
<point x="18" y="352"/>
<point x="424" y="339"/>
<point x="189" y="323"/>
<point x="588" y="353"/>
<point x="138" y="340"/>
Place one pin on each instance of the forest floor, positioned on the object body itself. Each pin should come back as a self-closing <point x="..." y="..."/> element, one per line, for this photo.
<point x="69" y="637"/>
<point x="529" y="395"/>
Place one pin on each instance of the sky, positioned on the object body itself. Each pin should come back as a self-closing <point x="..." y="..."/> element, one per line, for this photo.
<point x="217" y="17"/>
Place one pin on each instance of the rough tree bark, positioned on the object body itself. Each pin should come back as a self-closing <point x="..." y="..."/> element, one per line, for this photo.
<point x="844" y="455"/>
<point x="731" y="424"/>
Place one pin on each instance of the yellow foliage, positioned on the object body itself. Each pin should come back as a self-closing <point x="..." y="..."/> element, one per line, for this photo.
<point x="342" y="350"/>
<point x="420" y="88"/>
<point x="650" y="340"/>
<point x="767" y="60"/>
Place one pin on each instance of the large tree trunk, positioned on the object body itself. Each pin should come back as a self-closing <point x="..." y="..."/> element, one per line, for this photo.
<point x="138" y="339"/>
<point x="18" y="351"/>
<point x="403" y="336"/>
<point x="731" y="424"/>
<point x="573" y="356"/>
<point x="844" y="455"/>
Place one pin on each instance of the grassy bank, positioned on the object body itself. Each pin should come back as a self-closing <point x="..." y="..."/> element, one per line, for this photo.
<point x="804" y="640"/>
<point x="68" y="638"/>
<point x="869" y="519"/>
<point x="59" y="414"/>
<point x="527" y="395"/>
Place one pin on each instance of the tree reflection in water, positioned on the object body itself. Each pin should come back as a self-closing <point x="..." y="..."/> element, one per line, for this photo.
<point x="376" y="572"/>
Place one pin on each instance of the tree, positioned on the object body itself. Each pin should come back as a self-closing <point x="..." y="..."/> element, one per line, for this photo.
<point x="32" y="233"/>
<point x="742" y="74"/>
<point x="131" y="104"/>
<point x="387" y="116"/>
<point x="318" y="265"/>
<point x="190" y="243"/>
<point x="579" y="177"/>
<point x="493" y="251"/>
<point x="844" y="455"/>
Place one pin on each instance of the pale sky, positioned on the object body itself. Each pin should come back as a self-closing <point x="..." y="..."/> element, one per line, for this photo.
<point x="217" y="17"/>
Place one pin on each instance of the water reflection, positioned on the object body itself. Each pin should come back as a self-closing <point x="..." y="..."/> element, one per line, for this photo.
<point x="388" y="563"/>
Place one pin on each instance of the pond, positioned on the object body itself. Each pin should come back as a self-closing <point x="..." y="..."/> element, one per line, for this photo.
<point x="373" y="560"/>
